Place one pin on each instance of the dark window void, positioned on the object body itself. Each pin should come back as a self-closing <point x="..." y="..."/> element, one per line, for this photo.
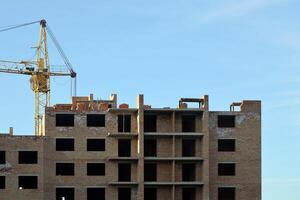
<point x="188" y="193"/>
<point x="2" y="182"/>
<point x="188" y="123"/>
<point x="124" y="147"/>
<point x="225" y="193"/>
<point x="64" y="144"/>
<point x="28" y="182"/>
<point x="95" y="120"/>
<point x="150" y="171"/>
<point x="150" y="147"/>
<point x="124" y="123"/>
<point x="64" y="120"/>
<point x="65" y="193"/>
<point x="226" y="145"/>
<point x="150" y="194"/>
<point x="95" y="193"/>
<point x="124" y="172"/>
<point x="226" y="121"/>
<point x="188" y="147"/>
<point x="124" y="194"/>
<point x="226" y="169"/>
<point x="95" y="144"/>
<point x="95" y="169"/>
<point x="65" y="169"/>
<point x="150" y="123"/>
<point x="2" y="157"/>
<point x="28" y="157"/>
<point x="188" y="172"/>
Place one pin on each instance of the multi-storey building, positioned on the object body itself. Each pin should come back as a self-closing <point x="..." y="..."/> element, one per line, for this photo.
<point x="97" y="149"/>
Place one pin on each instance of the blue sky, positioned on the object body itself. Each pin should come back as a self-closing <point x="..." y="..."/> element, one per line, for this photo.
<point x="231" y="50"/>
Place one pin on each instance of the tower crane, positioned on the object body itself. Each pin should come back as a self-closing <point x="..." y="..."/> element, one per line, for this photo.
<point x="39" y="71"/>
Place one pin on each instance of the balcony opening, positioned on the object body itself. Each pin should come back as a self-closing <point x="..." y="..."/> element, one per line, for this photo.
<point x="150" y="194"/>
<point x="64" y="120"/>
<point x="2" y="157"/>
<point x="95" y="120"/>
<point x="28" y="182"/>
<point x="95" y="193"/>
<point x="95" y="169"/>
<point x="150" y="172"/>
<point x="2" y="182"/>
<point x="188" y="193"/>
<point x="124" y="193"/>
<point x="226" y="121"/>
<point x="188" y="123"/>
<point x="28" y="157"/>
<point x="124" y="172"/>
<point x="124" y="147"/>
<point x="64" y="144"/>
<point x="226" y="169"/>
<point x="65" y="169"/>
<point x="95" y="145"/>
<point x="124" y="123"/>
<point x="150" y="123"/>
<point x="65" y="193"/>
<point x="188" y="147"/>
<point x="226" y="145"/>
<point x="188" y="172"/>
<point x="226" y="193"/>
<point x="150" y="147"/>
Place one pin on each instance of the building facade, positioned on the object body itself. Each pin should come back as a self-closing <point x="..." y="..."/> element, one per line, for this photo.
<point x="99" y="150"/>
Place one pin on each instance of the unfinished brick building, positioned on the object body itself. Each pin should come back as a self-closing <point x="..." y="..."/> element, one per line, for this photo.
<point x="97" y="149"/>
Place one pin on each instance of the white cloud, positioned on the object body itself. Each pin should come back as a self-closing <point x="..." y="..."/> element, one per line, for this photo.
<point x="235" y="9"/>
<point x="283" y="99"/>
<point x="281" y="181"/>
<point x="289" y="39"/>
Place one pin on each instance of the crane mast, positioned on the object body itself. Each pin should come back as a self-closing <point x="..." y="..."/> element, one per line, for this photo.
<point x="40" y="83"/>
<point x="40" y="72"/>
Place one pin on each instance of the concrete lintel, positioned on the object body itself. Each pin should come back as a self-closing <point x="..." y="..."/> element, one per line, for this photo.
<point x="174" y="134"/>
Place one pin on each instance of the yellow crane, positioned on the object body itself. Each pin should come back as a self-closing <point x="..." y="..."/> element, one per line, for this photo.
<point x="40" y="71"/>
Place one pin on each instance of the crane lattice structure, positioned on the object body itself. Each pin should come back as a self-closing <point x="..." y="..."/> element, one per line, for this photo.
<point x="40" y="71"/>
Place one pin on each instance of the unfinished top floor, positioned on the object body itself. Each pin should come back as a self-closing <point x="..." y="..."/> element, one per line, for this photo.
<point x="109" y="116"/>
<point x="81" y="104"/>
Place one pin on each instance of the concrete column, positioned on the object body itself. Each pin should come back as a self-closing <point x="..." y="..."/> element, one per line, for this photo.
<point x="173" y="122"/>
<point x="140" y="146"/>
<point x="205" y="155"/>
<point x="205" y="103"/>
<point x="114" y="98"/>
<point x="173" y="154"/>
<point x="173" y="165"/>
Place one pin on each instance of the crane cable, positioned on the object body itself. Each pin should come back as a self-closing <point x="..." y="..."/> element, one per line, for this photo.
<point x="18" y="26"/>
<point x="60" y="50"/>
<point x="64" y="57"/>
